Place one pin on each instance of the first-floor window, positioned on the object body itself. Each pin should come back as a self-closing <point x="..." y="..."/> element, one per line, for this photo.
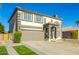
<point x="44" y="20"/>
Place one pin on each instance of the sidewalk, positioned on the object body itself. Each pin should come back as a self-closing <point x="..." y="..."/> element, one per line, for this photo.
<point x="38" y="51"/>
<point x="9" y="48"/>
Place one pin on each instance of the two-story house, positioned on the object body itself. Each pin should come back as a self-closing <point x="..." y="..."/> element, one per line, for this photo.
<point x="35" y="26"/>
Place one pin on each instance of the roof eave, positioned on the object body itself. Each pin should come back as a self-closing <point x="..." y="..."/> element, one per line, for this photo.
<point x="18" y="8"/>
<point x="13" y="14"/>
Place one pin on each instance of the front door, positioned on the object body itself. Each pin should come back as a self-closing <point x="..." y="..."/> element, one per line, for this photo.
<point x="46" y="33"/>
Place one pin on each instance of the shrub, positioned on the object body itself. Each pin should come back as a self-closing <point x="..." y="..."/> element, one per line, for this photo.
<point x="74" y="34"/>
<point x="1" y="28"/>
<point x="17" y="37"/>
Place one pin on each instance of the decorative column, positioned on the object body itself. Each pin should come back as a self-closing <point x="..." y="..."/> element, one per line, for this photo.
<point x="61" y="31"/>
<point x="49" y="33"/>
<point x="55" y="33"/>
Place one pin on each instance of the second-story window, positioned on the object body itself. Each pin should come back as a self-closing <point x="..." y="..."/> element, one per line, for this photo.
<point x="44" y="20"/>
<point x="28" y="17"/>
<point x="38" y="19"/>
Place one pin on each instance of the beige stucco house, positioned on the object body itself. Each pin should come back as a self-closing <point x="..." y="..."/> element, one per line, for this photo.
<point x="35" y="26"/>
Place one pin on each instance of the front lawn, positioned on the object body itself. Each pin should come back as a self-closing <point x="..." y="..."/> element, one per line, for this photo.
<point x="3" y="50"/>
<point x="22" y="50"/>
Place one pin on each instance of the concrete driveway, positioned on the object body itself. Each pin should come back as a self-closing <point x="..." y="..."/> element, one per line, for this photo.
<point x="53" y="48"/>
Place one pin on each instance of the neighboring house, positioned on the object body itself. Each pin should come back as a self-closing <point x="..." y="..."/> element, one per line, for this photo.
<point x="35" y="26"/>
<point x="67" y="33"/>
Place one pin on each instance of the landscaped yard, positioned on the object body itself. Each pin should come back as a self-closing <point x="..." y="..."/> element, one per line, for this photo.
<point x="22" y="50"/>
<point x="3" y="50"/>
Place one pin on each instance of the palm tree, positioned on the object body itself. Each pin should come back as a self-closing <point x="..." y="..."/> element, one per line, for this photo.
<point x="77" y="22"/>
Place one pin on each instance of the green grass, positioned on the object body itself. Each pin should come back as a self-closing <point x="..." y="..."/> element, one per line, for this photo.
<point x="3" y="50"/>
<point x="22" y="50"/>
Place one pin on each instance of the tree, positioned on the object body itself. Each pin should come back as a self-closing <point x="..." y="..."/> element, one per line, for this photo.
<point x="77" y="22"/>
<point x="1" y="28"/>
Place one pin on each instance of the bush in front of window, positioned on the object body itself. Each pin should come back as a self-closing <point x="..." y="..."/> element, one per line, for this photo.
<point x="17" y="37"/>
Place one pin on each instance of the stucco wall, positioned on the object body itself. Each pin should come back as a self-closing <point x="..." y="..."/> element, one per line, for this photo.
<point x="12" y="24"/>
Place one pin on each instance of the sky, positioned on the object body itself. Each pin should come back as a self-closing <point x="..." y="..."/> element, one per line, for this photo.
<point x="69" y="12"/>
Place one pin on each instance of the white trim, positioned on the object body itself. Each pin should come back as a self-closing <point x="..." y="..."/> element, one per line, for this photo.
<point x="31" y="24"/>
<point x="30" y="29"/>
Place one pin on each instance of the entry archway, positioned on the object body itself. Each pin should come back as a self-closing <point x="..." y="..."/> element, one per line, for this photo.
<point x="49" y="31"/>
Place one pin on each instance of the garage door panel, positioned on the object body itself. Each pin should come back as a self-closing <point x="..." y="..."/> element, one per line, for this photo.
<point x="32" y="35"/>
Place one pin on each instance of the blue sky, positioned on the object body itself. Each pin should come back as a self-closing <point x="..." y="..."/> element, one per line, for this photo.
<point x="69" y="12"/>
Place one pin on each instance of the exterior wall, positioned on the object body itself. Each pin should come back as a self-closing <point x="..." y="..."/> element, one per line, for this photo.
<point x="12" y="24"/>
<point x="31" y="27"/>
<point x="23" y="22"/>
<point x="30" y="30"/>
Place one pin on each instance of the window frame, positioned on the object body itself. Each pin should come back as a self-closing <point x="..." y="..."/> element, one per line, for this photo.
<point x="37" y="21"/>
<point x="27" y="15"/>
